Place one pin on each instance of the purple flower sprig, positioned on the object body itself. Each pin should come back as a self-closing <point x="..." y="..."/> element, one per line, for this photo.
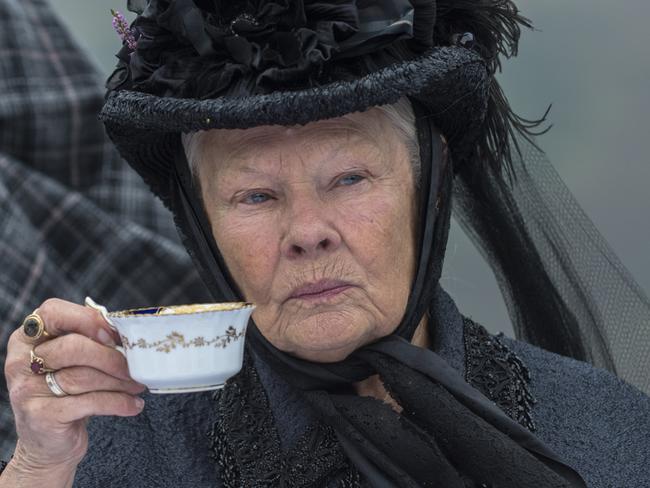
<point x="122" y="28"/>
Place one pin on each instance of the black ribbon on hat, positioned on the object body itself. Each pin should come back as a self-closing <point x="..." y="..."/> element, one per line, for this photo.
<point x="380" y="23"/>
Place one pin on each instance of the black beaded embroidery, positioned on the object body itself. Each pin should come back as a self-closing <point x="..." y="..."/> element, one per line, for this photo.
<point x="246" y="446"/>
<point x="496" y="371"/>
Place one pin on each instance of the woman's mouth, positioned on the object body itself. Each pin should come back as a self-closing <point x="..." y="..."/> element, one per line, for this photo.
<point x="321" y="291"/>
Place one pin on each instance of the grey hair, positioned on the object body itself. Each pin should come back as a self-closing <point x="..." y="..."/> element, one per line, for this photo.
<point x="400" y="114"/>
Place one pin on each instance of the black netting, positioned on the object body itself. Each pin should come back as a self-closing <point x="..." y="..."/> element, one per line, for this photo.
<point x="565" y="289"/>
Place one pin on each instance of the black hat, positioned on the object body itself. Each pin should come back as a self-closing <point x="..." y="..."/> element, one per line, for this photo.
<point x="194" y="65"/>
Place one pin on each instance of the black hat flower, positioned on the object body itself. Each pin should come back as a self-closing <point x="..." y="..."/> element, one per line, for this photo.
<point x="203" y="49"/>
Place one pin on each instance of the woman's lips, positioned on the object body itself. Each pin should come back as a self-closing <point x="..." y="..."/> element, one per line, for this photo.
<point x="319" y="291"/>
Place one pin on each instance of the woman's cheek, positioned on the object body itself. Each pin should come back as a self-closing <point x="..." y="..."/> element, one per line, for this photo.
<point x="377" y="225"/>
<point x="250" y="252"/>
<point x="381" y="239"/>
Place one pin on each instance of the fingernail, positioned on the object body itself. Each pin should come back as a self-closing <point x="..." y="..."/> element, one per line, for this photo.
<point x="105" y="338"/>
<point x="139" y="402"/>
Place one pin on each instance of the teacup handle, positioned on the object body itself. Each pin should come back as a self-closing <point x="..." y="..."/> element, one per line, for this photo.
<point x="89" y="302"/>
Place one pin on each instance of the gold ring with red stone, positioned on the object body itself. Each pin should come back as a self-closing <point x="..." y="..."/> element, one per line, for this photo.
<point x="37" y="364"/>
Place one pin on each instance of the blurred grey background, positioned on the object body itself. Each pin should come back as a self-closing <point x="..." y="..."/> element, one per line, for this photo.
<point x="591" y="60"/>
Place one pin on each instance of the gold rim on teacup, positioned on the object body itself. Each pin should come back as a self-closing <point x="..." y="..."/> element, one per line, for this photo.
<point x="181" y="309"/>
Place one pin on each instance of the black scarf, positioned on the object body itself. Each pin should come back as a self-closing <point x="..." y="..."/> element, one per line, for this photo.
<point x="448" y="435"/>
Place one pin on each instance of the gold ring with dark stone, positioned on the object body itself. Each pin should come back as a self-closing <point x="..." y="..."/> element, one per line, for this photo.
<point x="37" y="364"/>
<point x="34" y="327"/>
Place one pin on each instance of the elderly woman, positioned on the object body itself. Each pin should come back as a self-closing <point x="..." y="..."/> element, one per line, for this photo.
<point x="309" y="151"/>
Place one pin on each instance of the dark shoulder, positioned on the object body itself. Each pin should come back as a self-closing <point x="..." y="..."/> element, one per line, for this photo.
<point x="597" y="422"/>
<point x="167" y="445"/>
<point x="561" y="379"/>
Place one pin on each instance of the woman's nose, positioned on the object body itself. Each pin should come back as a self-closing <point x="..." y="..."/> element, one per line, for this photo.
<point x="310" y="232"/>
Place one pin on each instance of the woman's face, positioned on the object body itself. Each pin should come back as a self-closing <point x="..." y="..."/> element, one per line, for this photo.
<point x="316" y="225"/>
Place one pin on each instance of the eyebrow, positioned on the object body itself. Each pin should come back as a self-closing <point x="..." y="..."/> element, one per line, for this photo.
<point x="240" y="146"/>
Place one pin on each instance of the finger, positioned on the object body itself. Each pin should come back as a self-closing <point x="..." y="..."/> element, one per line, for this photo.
<point x="17" y="362"/>
<point x="77" y="350"/>
<point x="44" y="415"/>
<point x="79" y="380"/>
<point x="73" y="381"/>
<point x="73" y="408"/>
<point x="62" y="317"/>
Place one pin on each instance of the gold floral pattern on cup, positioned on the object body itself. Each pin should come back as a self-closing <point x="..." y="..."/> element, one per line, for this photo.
<point x="176" y="339"/>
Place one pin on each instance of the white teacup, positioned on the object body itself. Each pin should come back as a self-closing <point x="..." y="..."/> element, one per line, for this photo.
<point x="182" y="348"/>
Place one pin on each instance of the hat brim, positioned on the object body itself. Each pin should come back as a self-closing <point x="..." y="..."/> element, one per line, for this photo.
<point x="452" y="82"/>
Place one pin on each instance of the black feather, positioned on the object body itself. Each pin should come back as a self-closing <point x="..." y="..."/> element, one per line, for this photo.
<point x="496" y="26"/>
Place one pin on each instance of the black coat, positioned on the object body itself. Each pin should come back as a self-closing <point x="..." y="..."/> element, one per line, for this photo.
<point x="257" y="429"/>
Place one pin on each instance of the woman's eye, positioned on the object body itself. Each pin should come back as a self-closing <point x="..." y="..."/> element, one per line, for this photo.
<point x="256" y="198"/>
<point x="348" y="180"/>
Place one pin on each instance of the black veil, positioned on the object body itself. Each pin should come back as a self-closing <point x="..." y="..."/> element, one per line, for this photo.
<point x="565" y="289"/>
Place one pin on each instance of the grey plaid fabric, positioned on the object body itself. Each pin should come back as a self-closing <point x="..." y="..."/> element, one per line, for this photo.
<point x="75" y="220"/>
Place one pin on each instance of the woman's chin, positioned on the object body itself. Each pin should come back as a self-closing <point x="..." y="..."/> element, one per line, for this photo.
<point x="324" y="355"/>
<point x="325" y="341"/>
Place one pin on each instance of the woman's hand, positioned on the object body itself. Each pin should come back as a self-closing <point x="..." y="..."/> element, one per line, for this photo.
<point x="52" y="437"/>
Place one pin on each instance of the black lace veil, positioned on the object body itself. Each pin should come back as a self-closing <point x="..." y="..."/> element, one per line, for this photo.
<point x="564" y="288"/>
